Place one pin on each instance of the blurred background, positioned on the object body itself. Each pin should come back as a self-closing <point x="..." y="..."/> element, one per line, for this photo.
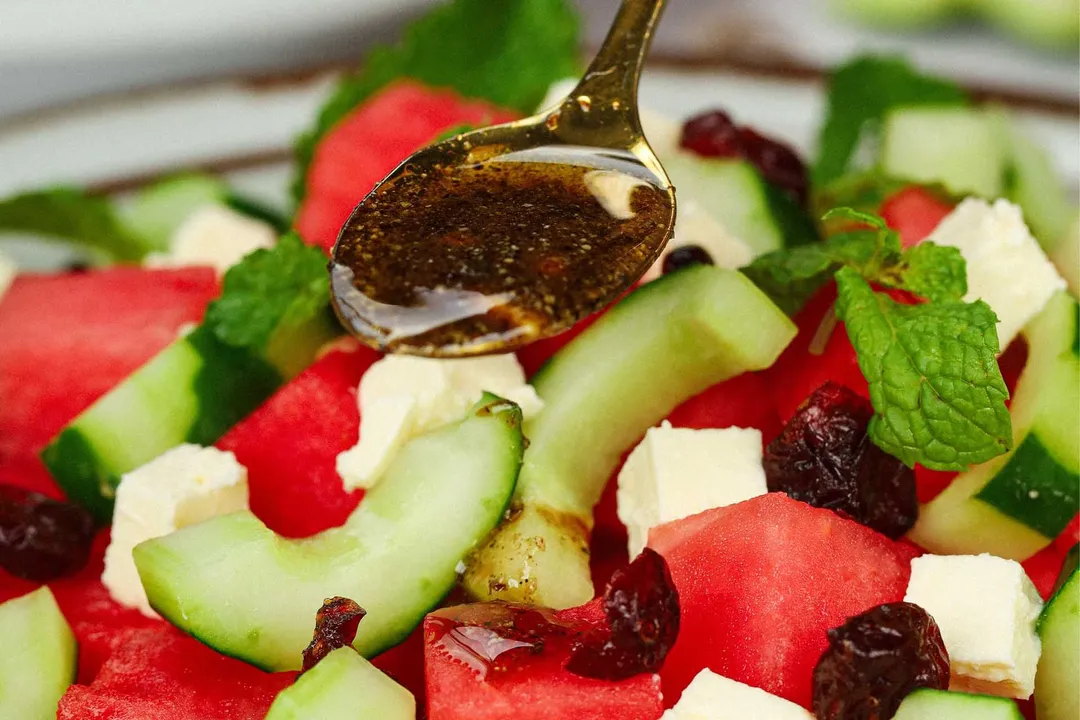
<point x="56" y="51"/>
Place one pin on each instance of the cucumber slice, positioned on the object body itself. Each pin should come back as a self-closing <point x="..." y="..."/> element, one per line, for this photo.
<point x="927" y="704"/>
<point x="898" y="13"/>
<point x="192" y="391"/>
<point x="1066" y="257"/>
<point x="249" y="593"/>
<point x="39" y="656"/>
<point x="734" y="193"/>
<point x="1046" y="23"/>
<point x="343" y="686"/>
<point x="1056" y="696"/>
<point x="666" y="342"/>
<point x="1014" y="505"/>
<point x="959" y="147"/>
<point x="156" y="212"/>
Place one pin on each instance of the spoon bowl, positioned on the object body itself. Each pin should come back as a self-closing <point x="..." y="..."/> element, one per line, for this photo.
<point x="494" y="238"/>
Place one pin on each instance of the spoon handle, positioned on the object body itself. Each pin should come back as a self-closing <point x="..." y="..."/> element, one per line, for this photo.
<point x="606" y="98"/>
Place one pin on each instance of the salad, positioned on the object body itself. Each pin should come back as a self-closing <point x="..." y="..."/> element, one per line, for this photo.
<point x="823" y="461"/>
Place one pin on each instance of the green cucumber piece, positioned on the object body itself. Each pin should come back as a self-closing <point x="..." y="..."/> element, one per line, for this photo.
<point x="898" y="13"/>
<point x="248" y="593"/>
<point x="39" y="655"/>
<point x="192" y="391"/>
<point x="1056" y="696"/>
<point x="736" y="194"/>
<point x="1050" y="24"/>
<point x="343" y="686"/>
<point x="1066" y="256"/>
<point x="959" y="147"/>
<point x="666" y="342"/>
<point x="156" y="212"/>
<point x="1014" y="505"/>
<point x="928" y="704"/>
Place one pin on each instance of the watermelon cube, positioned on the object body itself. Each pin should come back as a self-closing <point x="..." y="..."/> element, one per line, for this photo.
<point x="68" y="339"/>
<point x="495" y="661"/>
<point x="369" y="143"/>
<point x="162" y="674"/>
<point x="761" y="581"/>
<point x="290" y="445"/>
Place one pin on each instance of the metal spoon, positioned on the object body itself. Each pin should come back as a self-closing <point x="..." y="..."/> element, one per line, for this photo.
<point x="497" y="237"/>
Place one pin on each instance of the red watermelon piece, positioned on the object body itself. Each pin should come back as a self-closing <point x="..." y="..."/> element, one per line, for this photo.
<point x="761" y="581"/>
<point x="914" y="213"/>
<point x="742" y="401"/>
<point x="68" y="339"/>
<point x="369" y="143"/>
<point x="475" y="674"/>
<point x="290" y="445"/>
<point x="162" y="674"/>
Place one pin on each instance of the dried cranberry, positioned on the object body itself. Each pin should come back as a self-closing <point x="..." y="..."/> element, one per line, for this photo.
<point x="685" y="256"/>
<point x="642" y="608"/>
<point x="335" y="627"/>
<point x="875" y="660"/>
<point x="42" y="539"/>
<point x="824" y="457"/>
<point x="713" y="134"/>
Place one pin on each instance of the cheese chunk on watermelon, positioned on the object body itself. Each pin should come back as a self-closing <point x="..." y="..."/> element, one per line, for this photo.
<point x="374" y="139"/>
<point x="761" y="582"/>
<point x="478" y="670"/>
<point x="162" y="674"/>
<point x="291" y="443"/>
<point x="68" y="339"/>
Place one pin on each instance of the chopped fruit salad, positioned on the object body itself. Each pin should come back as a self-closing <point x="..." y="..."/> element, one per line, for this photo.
<point x="823" y="461"/>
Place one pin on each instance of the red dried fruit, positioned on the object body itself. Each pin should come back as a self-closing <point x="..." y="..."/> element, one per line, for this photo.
<point x="642" y="609"/>
<point x="42" y="539"/>
<point x="713" y="134"/>
<point x="825" y="457"/>
<point x="875" y="660"/>
<point x="685" y="256"/>
<point x="335" y="627"/>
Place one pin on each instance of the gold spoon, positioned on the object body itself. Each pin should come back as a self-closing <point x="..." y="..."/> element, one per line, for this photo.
<point x="495" y="238"/>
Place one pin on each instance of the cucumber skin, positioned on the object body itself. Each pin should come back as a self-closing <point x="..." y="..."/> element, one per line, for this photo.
<point x="673" y="337"/>
<point x="40" y="656"/>
<point x="204" y="580"/>
<point x="343" y="686"/>
<point x="1056" y="697"/>
<point x="198" y="373"/>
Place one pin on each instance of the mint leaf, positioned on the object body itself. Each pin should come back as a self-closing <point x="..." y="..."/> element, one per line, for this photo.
<point x="505" y="51"/>
<point x="861" y="92"/>
<point x="270" y="291"/>
<point x="937" y="392"/>
<point x="934" y="272"/>
<point x="70" y="215"/>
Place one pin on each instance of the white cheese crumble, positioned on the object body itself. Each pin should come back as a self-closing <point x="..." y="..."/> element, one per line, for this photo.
<point x="7" y="273"/>
<point x="216" y="236"/>
<point x="184" y="486"/>
<point x="677" y="472"/>
<point x="1005" y="265"/>
<point x="696" y="226"/>
<point x="714" y="697"/>
<point x="401" y="397"/>
<point x="986" y="608"/>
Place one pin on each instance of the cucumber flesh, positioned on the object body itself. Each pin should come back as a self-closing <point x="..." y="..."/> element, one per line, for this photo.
<point x="38" y="661"/>
<point x="959" y="147"/>
<point x="1014" y="505"/>
<point x="1066" y="257"/>
<point x="248" y="593"/>
<point x="666" y="342"/>
<point x="343" y="686"/>
<point x="928" y="704"/>
<point x="156" y="212"/>
<point x="735" y="194"/>
<point x="898" y="13"/>
<point x="1056" y="696"/>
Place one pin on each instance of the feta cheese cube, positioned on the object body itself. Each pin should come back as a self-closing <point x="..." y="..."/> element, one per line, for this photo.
<point x="217" y="236"/>
<point x="1005" y="265"/>
<point x="7" y="273"/>
<point x="986" y="608"/>
<point x="184" y="486"/>
<point x="401" y="397"/>
<point x="696" y="226"/>
<point x="714" y="697"/>
<point x="677" y="472"/>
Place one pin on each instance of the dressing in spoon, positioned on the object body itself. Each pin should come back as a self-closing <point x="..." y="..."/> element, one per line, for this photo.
<point x="495" y="238"/>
